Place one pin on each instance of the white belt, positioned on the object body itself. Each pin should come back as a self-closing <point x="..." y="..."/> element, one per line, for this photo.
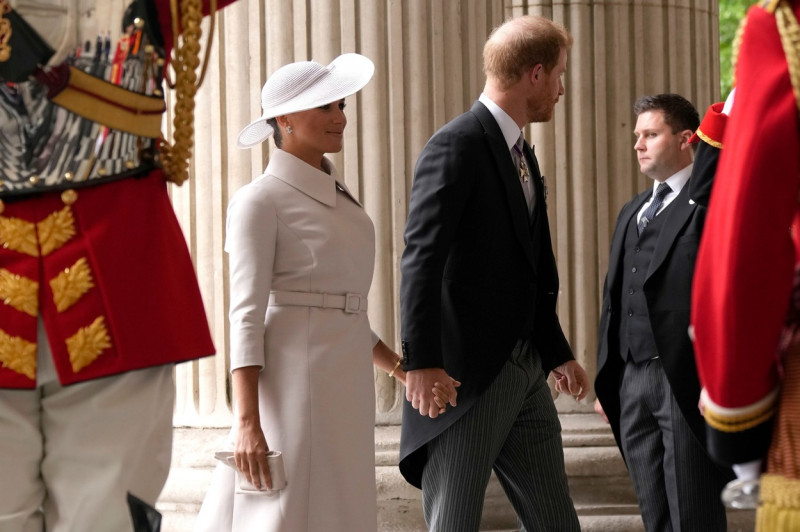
<point x="350" y="303"/>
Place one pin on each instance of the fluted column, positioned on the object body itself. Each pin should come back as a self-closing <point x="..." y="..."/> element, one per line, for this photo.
<point x="428" y="70"/>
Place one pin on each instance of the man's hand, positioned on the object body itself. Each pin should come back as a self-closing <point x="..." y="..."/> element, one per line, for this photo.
<point x="701" y="405"/>
<point x="598" y="408"/>
<point x="572" y="379"/>
<point x="428" y="390"/>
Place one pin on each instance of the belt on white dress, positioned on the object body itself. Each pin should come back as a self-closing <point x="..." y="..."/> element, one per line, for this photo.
<point x="351" y="303"/>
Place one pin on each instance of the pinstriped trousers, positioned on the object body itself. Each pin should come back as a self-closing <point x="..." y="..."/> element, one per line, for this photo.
<point x="512" y="428"/>
<point x="677" y="484"/>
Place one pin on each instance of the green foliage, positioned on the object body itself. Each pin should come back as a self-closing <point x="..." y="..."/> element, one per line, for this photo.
<point x="731" y="13"/>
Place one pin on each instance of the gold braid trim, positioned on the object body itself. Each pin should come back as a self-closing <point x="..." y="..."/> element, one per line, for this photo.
<point x="87" y="344"/>
<point x="19" y="292"/>
<point x="739" y="423"/>
<point x="708" y="140"/>
<point x="5" y="32"/>
<point x="18" y="355"/>
<point x="780" y="503"/>
<point x="789" y="31"/>
<point x="737" y="42"/>
<point x="175" y="158"/>
<point x="70" y="285"/>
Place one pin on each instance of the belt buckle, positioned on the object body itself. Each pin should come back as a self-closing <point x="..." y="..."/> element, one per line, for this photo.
<point x="352" y="303"/>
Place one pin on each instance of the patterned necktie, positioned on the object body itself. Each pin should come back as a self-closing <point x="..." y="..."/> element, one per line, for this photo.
<point x="522" y="166"/>
<point x="651" y="210"/>
<point x="524" y="173"/>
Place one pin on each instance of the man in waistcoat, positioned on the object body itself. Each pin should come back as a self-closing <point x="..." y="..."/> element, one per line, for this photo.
<point x="647" y="383"/>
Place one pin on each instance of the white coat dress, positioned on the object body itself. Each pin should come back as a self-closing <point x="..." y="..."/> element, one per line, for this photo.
<point x="296" y="228"/>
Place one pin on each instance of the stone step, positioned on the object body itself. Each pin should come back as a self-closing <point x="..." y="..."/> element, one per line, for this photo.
<point x="599" y="484"/>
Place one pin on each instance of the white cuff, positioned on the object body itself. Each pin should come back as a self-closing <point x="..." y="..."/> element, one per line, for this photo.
<point x="748" y="470"/>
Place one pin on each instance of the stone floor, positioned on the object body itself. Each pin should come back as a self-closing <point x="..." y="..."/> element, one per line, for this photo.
<point x="599" y="483"/>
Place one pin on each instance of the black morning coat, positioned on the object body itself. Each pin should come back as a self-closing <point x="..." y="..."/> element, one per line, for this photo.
<point x="478" y="273"/>
<point x="667" y="290"/>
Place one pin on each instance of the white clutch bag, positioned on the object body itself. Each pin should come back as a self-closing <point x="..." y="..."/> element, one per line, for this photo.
<point x="276" y="472"/>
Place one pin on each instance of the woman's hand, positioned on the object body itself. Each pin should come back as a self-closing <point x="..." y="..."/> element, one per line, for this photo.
<point x="400" y="375"/>
<point x="444" y="395"/>
<point x="598" y="409"/>
<point x="386" y="359"/>
<point x="250" y="451"/>
<point x="250" y="454"/>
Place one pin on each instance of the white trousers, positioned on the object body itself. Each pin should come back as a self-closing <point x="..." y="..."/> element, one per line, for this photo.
<point x="69" y="455"/>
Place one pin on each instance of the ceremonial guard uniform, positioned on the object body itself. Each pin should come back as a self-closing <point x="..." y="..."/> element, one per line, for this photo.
<point x="95" y="276"/>
<point x="744" y="316"/>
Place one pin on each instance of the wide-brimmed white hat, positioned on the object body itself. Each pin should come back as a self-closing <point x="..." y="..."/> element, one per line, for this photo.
<point x="305" y="85"/>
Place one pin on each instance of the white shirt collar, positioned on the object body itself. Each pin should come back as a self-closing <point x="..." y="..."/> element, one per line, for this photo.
<point x="508" y="127"/>
<point x="676" y="181"/>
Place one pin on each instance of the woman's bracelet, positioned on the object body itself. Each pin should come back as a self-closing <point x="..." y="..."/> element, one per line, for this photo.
<point x="391" y="373"/>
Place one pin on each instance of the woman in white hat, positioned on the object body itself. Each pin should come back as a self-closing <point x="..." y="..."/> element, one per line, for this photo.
<point x="301" y="254"/>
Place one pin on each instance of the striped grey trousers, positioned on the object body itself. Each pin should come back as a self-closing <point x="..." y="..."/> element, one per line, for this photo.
<point x="512" y="428"/>
<point x="677" y="484"/>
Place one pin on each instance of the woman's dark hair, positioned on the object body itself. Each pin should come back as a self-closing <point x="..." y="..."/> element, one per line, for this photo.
<point x="276" y="136"/>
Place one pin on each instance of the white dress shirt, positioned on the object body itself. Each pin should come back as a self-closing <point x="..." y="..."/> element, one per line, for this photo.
<point x="511" y="133"/>
<point x="676" y="182"/>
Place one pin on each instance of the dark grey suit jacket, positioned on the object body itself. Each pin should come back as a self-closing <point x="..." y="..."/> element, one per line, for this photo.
<point x="477" y="273"/>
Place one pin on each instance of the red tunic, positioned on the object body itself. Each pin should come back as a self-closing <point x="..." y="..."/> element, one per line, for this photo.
<point x="744" y="271"/>
<point x="107" y="269"/>
<point x="141" y="284"/>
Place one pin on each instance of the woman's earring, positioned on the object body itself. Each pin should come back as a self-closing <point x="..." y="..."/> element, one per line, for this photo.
<point x="289" y="129"/>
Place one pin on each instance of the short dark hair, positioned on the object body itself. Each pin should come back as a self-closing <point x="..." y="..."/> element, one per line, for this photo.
<point x="679" y="113"/>
<point x="276" y="135"/>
